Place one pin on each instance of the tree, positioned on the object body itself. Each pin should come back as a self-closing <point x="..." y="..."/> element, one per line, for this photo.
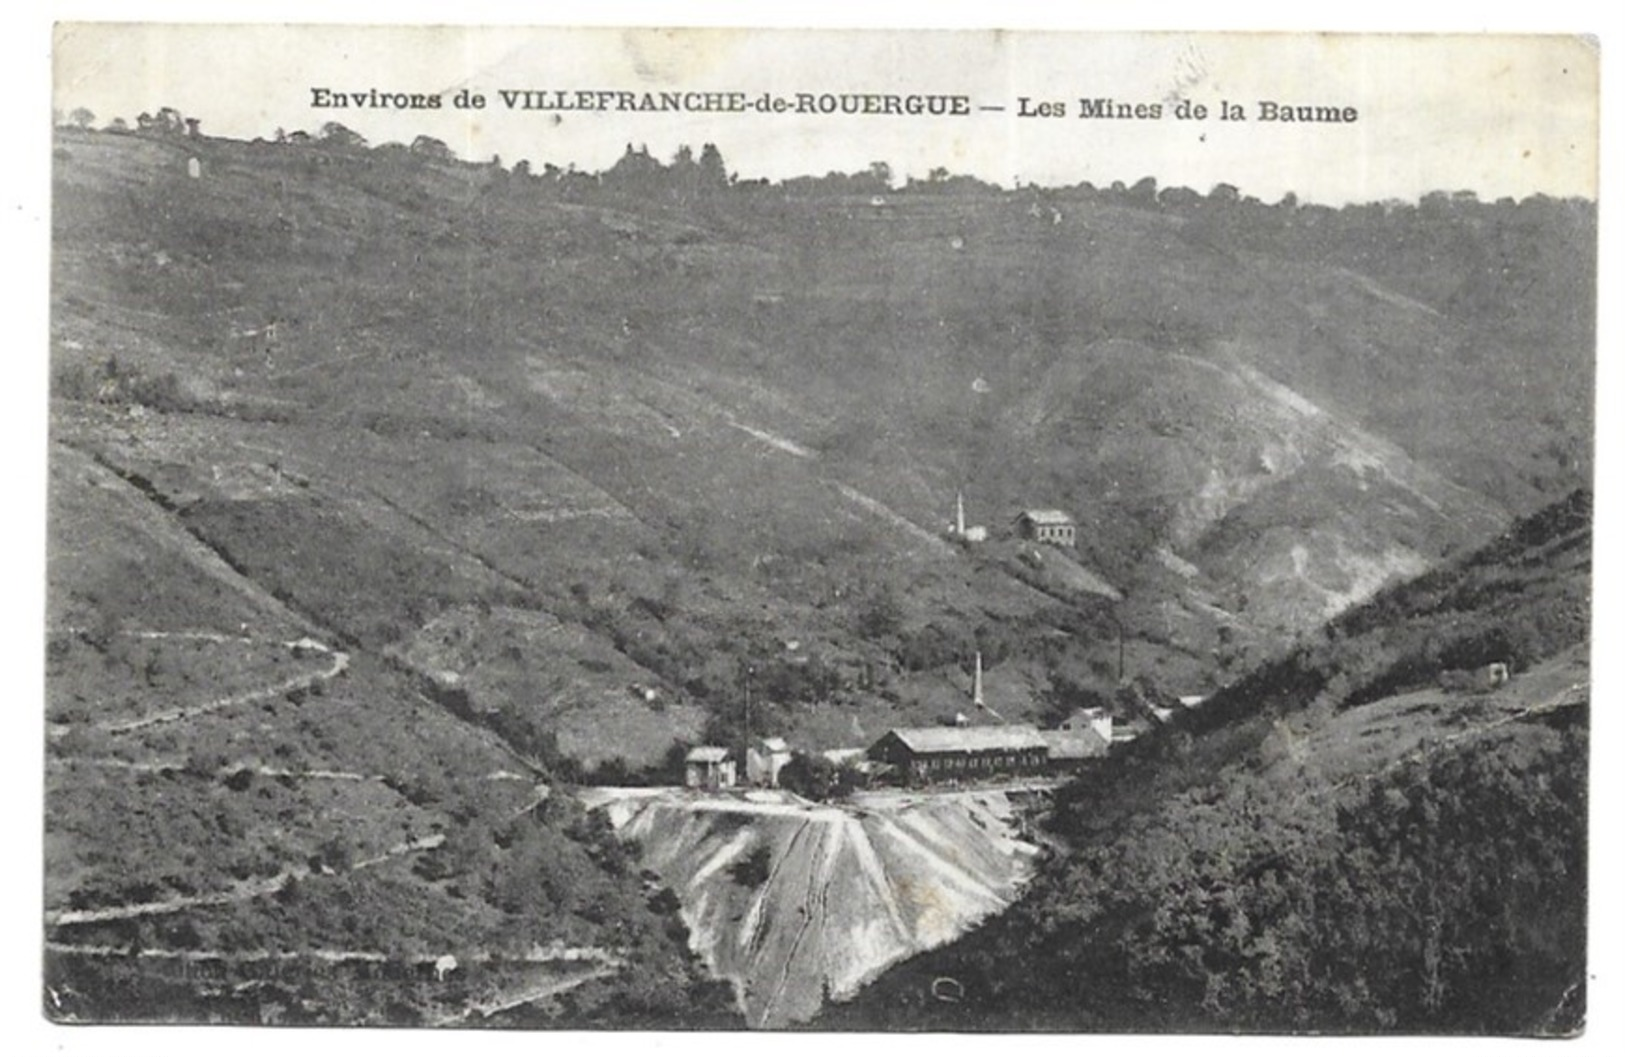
<point x="817" y="778"/>
<point x="753" y="870"/>
<point x="334" y="854"/>
<point x="169" y="121"/>
<point x="1178" y="198"/>
<point x="431" y="148"/>
<point x="882" y="616"/>
<point x="713" y="171"/>
<point x="81" y="117"/>
<point x="1144" y="191"/>
<point x="334" y="134"/>
<point x="636" y="170"/>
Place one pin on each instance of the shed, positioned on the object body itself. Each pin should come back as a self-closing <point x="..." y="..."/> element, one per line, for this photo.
<point x="765" y="759"/>
<point x="709" y="767"/>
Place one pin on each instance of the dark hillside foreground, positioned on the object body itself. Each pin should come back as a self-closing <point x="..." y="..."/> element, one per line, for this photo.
<point x="393" y="498"/>
<point x="1335" y="844"/>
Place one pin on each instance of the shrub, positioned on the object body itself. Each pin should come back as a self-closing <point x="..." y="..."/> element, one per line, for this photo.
<point x="753" y="870"/>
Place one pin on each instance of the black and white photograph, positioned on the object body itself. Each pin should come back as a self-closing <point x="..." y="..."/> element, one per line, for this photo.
<point x="811" y="530"/>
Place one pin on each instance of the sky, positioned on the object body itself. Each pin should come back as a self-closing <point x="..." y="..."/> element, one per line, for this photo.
<point x="1497" y="115"/>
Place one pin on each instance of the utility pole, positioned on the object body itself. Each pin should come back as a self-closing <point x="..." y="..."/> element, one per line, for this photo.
<point x="745" y="755"/>
<point x="1118" y="623"/>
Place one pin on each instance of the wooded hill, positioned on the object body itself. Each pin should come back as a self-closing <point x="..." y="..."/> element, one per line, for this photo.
<point x="1334" y="844"/>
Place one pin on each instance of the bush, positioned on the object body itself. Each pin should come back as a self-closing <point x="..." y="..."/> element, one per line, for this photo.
<point x="753" y="870"/>
<point x="335" y="854"/>
<point x="881" y="616"/>
<point x="817" y="778"/>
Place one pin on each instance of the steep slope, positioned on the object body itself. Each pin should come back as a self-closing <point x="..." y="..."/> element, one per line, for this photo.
<point x="1278" y="510"/>
<point x="1346" y="840"/>
<point x="796" y="903"/>
<point x="225" y="786"/>
<point x="778" y="421"/>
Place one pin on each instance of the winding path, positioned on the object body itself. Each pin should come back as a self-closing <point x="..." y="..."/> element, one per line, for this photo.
<point x="542" y="956"/>
<point x="224" y="771"/>
<point x="236" y="894"/>
<point x="534" y="993"/>
<point x="338" y="666"/>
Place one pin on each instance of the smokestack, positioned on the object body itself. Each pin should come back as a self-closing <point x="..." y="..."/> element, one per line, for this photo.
<point x="976" y="685"/>
<point x="959" y="518"/>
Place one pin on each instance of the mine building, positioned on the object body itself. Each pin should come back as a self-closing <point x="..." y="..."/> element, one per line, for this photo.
<point x="1096" y="719"/>
<point x="765" y="759"/>
<point x="1069" y="750"/>
<point x="919" y="755"/>
<point x="709" y="767"/>
<point x="1048" y="526"/>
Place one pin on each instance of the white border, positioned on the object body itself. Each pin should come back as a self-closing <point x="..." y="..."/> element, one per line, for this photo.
<point x="24" y="205"/>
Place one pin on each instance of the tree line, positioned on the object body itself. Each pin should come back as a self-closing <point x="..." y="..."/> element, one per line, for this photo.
<point x="640" y="170"/>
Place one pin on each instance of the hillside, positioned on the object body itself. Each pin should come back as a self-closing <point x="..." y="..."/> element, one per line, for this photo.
<point x="246" y="823"/>
<point x="1335" y="844"/>
<point x="393" y="496"/>
<point x="645" y="415"/>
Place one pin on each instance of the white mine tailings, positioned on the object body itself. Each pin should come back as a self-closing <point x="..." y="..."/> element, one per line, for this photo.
<point x="793" y="901"/>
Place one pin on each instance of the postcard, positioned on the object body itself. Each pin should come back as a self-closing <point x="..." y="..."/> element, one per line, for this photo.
<point x="814" y="530"/>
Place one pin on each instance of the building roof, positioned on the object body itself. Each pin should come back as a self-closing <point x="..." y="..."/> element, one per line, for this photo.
<point x="1075" y="744"/>
<point x="707" y="754"/>
<point x="775" y="745"/>
<point x="970" y="739"/>
<point x="1047" y="517"/>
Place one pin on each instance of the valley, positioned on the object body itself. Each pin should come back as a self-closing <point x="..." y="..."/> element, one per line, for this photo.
<point x="410" y="518"/>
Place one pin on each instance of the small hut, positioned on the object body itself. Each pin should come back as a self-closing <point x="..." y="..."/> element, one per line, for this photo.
<point x="709" y="767"/>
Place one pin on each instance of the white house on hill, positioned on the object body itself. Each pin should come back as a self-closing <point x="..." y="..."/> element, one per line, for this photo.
<point x="1048" y="526"/>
